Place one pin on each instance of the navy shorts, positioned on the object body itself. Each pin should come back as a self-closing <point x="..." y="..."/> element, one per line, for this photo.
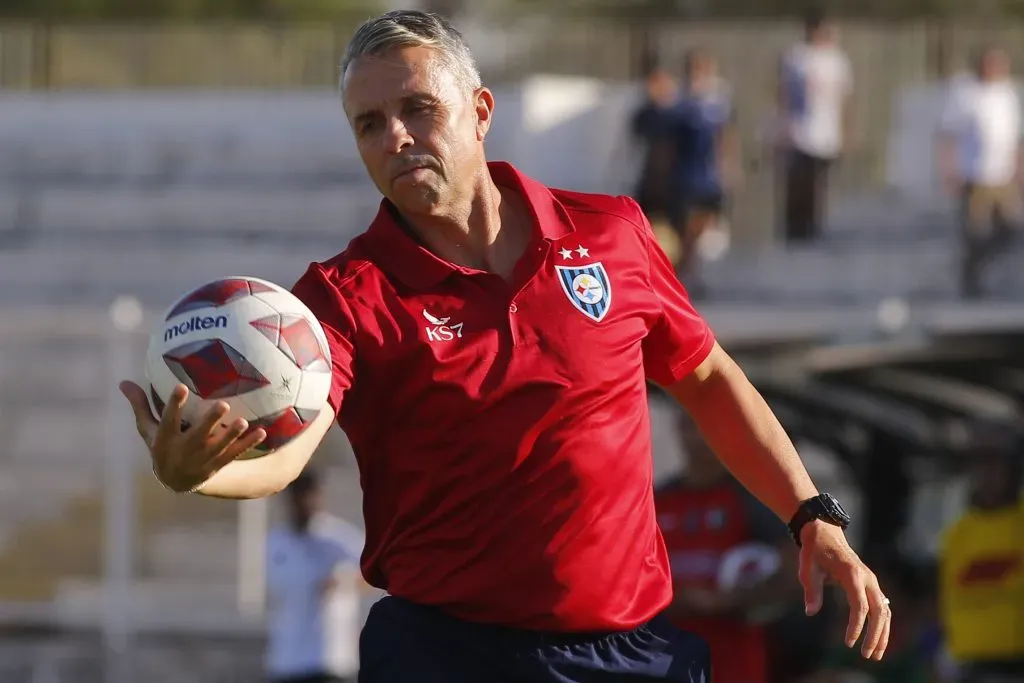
<point x="407" y="643"/>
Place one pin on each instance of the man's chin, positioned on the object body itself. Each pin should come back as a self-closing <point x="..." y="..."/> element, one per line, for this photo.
<point x="420" y="198"/>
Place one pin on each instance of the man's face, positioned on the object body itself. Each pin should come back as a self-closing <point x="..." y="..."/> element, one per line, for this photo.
<point x="826" y="33"/>
<point x="307" y="505"/>
<point x="995" y="65"/>
<point x="661" y="87"/>
<point x="703" y="69"/>
<point x="418" y="128"/>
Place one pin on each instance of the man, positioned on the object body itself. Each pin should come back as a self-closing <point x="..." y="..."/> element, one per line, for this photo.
<point x="815" y="92"/>
<point x="982" y="566"/>
<point x="649" y="127"/>
<point x="492" y="340"/>
<point x="733" y="564"/>
<point x="313" y="587"/>
<point x="705" y="157"/>
<point x="979" y="160"/>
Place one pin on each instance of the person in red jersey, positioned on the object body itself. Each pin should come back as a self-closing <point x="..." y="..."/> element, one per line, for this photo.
<point x="491" y="341"/>
<point x="731" y="560"/>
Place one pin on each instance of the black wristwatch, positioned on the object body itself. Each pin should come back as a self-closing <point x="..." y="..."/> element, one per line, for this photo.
<point x="824" y="507"/>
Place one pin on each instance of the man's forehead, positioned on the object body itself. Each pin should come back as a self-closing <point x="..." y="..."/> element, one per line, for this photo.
<point x="372" y="79"/>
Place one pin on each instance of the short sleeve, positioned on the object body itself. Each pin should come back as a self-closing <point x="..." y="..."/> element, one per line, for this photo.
<point x="678" y="340"/>
<point x="318" y="292"/>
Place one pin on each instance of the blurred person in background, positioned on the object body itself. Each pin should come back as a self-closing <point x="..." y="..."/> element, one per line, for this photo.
<point x="314" y="591"/>
<point x="649" y="130"/>
<point x="979" y="153"/>
<point x="705" y="163"/>
<point x="815" y="92"/>
<point x="733" y="564"/>
<point x="914" y="649"/>
<point x="982" y="566"/>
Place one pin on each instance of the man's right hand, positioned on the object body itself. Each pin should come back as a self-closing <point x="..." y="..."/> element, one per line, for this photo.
<point x="184" y="459"/>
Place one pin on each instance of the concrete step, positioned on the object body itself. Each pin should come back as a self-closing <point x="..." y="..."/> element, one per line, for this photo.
<point x="174" y="136"/>
<point x="91" y="274"/>
<point x="927" y="269"/>
<point x="197" y="554"/>
<point x="156" y="275"/>
<point x="169" y="214"/>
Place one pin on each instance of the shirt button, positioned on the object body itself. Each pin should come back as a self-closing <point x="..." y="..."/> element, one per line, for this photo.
<point x="513" y="308"/>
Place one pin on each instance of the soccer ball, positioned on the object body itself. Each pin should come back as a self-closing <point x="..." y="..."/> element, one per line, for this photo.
<point x="249" y="343"/>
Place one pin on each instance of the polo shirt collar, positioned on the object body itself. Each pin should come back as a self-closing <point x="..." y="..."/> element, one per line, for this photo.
<point x="398" y="252"/>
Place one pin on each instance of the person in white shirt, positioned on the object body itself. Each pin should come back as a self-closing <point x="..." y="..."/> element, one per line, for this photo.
<point x="979" y="160"/>
<point x="314" y="591"/>
<point x="815" y="88"/>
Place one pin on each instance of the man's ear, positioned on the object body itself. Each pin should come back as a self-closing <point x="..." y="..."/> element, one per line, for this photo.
<point x="483" y="103"/>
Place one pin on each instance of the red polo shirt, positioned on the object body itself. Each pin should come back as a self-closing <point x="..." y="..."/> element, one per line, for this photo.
<point x="502" y="429"/>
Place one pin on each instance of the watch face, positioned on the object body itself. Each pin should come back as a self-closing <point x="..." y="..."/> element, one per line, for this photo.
<point x="834" y="509"/>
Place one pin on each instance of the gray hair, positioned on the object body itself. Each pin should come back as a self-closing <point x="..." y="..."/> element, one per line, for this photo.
<point x="412" y="28"/>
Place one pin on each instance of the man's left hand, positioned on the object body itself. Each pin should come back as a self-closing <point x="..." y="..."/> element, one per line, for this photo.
<point x="825" y="553"/>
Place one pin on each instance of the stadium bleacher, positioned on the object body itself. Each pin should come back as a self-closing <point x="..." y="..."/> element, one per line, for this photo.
<point x="172" y="192"/>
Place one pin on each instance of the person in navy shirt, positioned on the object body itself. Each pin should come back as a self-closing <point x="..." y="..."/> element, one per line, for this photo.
<point x="705" y="164"/>
<point x="648" y="129"/>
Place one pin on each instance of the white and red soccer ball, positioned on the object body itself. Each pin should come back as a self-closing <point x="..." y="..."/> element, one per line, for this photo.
<point x="249" y="343"/>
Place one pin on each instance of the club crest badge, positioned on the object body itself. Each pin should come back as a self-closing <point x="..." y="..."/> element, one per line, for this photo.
<point x="588" y="288"/>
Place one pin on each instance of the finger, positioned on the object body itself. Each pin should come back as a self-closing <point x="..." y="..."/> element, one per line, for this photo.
<point x="145" y="421"/>
<point x="247" y="442"/>
<point x="223" y="440"/>
<point x="883" y="642"/>
<point x="877" y="621"/>
<point x="813" y="581"/>
<point x="242" y="444"/>
<point x="859" y="609"/>
<point x="206" y="427"/>
<point x="170" y="418"/>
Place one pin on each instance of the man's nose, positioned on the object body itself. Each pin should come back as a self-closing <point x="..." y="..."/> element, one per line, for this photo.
<point x="397" y="137"/>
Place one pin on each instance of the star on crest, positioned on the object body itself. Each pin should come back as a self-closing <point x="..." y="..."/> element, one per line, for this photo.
<point x="566" y="254"/>
<point x="582" y="251"/>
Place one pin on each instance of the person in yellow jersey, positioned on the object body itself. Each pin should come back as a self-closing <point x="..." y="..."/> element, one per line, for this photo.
<point x="982" y="567"/>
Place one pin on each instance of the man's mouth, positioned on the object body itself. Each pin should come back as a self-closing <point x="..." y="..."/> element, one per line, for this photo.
<point x="411" y="169"/>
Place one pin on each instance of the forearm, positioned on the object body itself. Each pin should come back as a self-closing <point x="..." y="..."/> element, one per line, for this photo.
<point x="747" y="437"/>
<point x="257" y="478"/>
<point x="267" y="475"/>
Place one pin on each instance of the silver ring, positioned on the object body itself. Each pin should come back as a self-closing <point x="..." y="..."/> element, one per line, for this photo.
<point x="886" y="601"/>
